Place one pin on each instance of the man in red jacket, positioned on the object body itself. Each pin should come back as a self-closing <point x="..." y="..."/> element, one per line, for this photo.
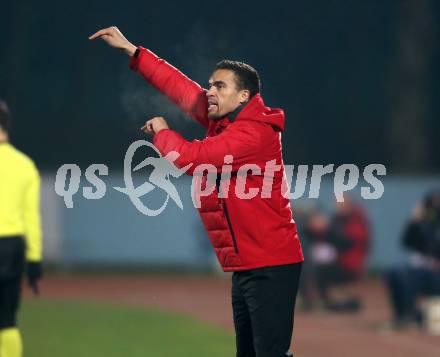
<point x="247" y="217"/>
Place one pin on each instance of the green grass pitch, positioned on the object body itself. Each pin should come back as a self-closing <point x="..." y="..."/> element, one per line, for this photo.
<point x="80" y="329"/>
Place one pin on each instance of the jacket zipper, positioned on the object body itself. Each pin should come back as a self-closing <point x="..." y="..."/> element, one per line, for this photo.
<point x="225" y="211"/>
<point x="222" y="202"/>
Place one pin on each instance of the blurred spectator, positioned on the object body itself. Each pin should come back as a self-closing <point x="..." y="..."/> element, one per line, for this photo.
<point x="422" y="276"/>
<point x="339" y="253"/>
<point x="303" y="216"/>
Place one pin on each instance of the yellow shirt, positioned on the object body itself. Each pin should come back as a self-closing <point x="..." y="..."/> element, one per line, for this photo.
<point x="20" y="200"/>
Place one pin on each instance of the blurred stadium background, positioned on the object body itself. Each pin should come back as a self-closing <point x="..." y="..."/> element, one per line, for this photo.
<point x="359" y="82"/>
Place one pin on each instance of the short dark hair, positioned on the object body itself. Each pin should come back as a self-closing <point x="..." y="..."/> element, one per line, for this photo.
<point x="246" y="76"/>
<point x="5" y="116"/>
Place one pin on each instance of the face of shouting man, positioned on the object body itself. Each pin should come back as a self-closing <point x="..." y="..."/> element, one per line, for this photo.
<point x="224" y="94"/>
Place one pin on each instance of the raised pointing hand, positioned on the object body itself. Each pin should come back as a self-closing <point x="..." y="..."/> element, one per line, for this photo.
<point x="114" y="38"/>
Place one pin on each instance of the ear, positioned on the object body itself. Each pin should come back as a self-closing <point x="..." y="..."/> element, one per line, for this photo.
<point x="245" y="95"/>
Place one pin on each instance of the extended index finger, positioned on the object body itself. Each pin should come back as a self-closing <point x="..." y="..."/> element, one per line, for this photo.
<point x="100" y="33"/>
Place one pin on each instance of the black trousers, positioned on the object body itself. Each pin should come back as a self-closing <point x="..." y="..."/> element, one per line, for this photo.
<point x="12" y="259"/>
<point x="263" y="304"/>
<point x="405" y="285"/>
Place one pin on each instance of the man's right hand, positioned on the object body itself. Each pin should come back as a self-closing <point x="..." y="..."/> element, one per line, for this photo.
<point x="115" y="39"/>
<point x="34" y="274"/>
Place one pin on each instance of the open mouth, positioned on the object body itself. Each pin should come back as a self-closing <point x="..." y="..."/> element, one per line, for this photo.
<point x="212" y="105"/>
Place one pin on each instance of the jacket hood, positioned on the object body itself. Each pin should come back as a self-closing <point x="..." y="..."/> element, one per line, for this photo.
<point x="255" y="110"/>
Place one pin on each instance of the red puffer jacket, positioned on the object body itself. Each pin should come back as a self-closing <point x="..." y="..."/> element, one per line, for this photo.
<point x="245" y="233"/>
<point x="355" y="228"/>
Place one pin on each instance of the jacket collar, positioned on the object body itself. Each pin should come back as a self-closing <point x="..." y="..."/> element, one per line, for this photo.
<point x="254" y="110"/>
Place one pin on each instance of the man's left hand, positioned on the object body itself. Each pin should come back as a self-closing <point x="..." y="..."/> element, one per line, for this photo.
<point x="153" y="126"/>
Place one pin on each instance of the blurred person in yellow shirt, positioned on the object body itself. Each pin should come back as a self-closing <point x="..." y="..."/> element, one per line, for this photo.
<point x="20" y="234"/>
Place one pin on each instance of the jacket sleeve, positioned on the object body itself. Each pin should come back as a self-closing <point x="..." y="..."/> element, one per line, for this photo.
<point x="32" y="218"/>
<point x="185" y="93"/>
<point x="238" y="140"/>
